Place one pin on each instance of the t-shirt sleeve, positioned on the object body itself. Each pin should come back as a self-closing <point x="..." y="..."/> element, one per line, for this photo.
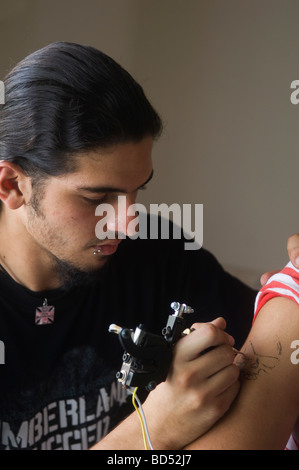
<point x="283" y="284"/>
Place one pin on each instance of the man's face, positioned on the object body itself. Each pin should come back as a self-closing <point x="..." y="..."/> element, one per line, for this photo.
<point x="62" y="227"/>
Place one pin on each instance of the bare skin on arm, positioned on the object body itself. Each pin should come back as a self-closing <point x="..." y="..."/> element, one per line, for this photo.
<point x="266" y="409"/>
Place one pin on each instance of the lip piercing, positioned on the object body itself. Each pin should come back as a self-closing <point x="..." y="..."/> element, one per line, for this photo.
<point x="97" y="251"/>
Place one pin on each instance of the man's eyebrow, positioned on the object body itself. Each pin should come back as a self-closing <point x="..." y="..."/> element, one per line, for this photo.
<point x="111" y="189"/>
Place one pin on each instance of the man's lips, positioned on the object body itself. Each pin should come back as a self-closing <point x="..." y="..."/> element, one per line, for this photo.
<point x="107" y="248"/>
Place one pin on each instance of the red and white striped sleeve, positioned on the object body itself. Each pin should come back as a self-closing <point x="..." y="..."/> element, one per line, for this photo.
<point x="283" y="284"/>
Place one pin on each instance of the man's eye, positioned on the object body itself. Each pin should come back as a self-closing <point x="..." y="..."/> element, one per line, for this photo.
<point x="94" y="202"/>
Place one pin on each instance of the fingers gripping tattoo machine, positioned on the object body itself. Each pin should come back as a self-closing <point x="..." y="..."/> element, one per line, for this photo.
<point x="147" y="357"/>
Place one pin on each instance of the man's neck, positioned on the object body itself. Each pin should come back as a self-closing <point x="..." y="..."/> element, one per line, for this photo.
<point x="23" y="259"/>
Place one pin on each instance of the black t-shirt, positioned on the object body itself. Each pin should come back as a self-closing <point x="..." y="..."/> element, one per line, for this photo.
<point x="58" y="388"/>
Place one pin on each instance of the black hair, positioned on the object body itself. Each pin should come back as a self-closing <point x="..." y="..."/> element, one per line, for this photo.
<point x="67" y="98"/>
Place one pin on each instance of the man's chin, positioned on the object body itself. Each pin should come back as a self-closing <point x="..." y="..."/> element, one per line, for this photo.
<point x="71" y="276"/>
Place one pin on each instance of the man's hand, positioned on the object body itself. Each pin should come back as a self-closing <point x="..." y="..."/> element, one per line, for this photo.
<point x="201" y="385"/>
<point x="293" y="251"/>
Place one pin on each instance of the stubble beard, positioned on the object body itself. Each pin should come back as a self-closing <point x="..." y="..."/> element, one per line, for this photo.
<point x="69" y="275"/>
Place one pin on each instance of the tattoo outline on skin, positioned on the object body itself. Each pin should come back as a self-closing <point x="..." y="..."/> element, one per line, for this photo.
<point x="251" y="364"/>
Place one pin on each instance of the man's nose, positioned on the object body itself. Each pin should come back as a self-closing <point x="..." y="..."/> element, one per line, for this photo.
<point x="124" y="213"/>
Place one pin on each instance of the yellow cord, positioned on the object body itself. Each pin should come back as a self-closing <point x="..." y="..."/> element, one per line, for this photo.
<point x="140" y="418"/>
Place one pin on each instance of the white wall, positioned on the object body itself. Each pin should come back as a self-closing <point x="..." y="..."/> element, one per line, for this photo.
<point x="223" y="70"/>
<point x="219" y="72"/>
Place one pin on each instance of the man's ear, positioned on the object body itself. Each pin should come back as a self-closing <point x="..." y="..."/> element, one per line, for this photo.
<point x="11" y="177"/>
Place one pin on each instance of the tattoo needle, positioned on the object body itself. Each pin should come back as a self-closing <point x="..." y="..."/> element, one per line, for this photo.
<point x="238" y="352"/>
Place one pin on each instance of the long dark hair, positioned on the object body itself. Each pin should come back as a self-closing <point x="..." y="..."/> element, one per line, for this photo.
<point x="67" y="98"/>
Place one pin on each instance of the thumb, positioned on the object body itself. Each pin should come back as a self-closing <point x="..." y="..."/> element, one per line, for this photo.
<point x="266" y="276"/>
<point x="219" y="322"/>
<point x="293" y="249"/>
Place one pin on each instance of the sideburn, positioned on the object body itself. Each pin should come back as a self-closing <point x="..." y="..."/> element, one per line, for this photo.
<point x="38" y="184"/>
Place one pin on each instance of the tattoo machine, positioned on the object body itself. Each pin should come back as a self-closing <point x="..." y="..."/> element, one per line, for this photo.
<point x="147" y="357"/>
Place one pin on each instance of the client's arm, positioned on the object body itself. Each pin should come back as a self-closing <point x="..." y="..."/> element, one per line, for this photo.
<point x="264" y="414"/>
